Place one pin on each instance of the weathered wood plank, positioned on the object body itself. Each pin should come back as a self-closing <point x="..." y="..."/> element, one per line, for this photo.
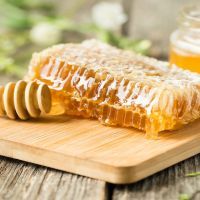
<point x="20" y="180"/>
<point x="168" y="184"/>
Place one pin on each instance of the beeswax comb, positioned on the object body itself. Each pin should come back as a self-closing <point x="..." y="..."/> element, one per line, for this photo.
<point x="24" y="100"/>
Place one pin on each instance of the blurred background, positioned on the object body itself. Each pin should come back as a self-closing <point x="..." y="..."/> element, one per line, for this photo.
<point x="26" y="26"/>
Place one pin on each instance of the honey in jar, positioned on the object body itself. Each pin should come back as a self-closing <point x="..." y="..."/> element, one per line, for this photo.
<point x="185" y="41"/>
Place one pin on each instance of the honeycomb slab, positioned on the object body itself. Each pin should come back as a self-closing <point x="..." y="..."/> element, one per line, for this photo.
<point x="119" y="88"/>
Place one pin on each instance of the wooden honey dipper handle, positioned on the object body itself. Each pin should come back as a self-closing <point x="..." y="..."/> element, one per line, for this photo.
<point x="24" y="100"/>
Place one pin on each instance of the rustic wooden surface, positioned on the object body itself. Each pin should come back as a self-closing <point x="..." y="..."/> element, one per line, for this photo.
<point x="88" y="148"/>
<point x="20" y="180"/>
<point x="166" y="185"/>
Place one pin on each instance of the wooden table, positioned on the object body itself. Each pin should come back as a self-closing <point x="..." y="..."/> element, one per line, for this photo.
<point x="20" y="180"/>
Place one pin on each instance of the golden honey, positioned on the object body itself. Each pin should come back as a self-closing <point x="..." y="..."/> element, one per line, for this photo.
<point x="185" y="60"/>
<point x="117" y="87"/>
<point x="185" y="41"/>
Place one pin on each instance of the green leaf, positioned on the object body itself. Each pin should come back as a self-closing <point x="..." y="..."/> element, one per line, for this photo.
<point x="11" y="41"/>
<point x="18" y="3"/>
<point x="13" y="17"/>
<point x="193" y="174"/>
<point x="34" y="4"/>
<point x="4" y="62"/>
<point x="107" y="37"/>
<point x="184" y="197"/>
<point x="15" y="71"/>
<point x="138" y="46"/>
<point x="64" y="24"/>
<point x="8" y="66"/>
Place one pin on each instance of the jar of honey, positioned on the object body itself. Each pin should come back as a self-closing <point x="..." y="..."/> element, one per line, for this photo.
<point x="185" y="41"/>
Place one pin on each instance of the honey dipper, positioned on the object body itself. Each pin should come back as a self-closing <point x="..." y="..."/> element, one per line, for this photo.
<point x="24" y="100"/>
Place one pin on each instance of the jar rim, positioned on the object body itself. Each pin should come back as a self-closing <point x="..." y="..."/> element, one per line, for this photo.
<point x="190" y="15"/>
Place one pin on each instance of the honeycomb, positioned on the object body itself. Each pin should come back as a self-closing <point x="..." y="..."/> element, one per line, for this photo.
<point x="117" y="87"/>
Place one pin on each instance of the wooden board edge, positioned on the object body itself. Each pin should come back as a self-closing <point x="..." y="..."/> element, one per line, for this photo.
<point x="167" y="159"/>
<point x="97" y="170"/>
<point x="44" y="157"/>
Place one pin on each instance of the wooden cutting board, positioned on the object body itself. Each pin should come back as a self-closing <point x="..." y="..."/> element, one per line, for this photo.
<point x="85" y="147"/>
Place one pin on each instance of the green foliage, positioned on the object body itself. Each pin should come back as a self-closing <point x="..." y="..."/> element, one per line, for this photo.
<point x="138" y="46"/>
<point x="19" y="17"/>
<point x="193" y="174"/>
<point x="8" y="66"/>
<point x="184" y="197"/>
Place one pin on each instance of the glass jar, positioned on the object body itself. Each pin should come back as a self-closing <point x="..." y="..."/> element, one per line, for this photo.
<point x="185" y="41"/>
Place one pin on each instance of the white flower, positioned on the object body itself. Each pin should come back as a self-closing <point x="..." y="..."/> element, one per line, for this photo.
<point x="45" y="34"/>
<point x="109" y="16"/>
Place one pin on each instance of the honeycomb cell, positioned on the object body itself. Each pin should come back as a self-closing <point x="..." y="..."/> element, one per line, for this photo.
<point x="117" y="87"/>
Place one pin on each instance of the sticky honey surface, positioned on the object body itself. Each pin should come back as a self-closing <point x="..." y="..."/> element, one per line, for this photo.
<point x="120" y="88"/>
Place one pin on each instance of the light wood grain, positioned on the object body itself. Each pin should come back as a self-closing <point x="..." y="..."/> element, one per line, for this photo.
<point x="86" y="147"/>
<point x="20" y="180"/>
